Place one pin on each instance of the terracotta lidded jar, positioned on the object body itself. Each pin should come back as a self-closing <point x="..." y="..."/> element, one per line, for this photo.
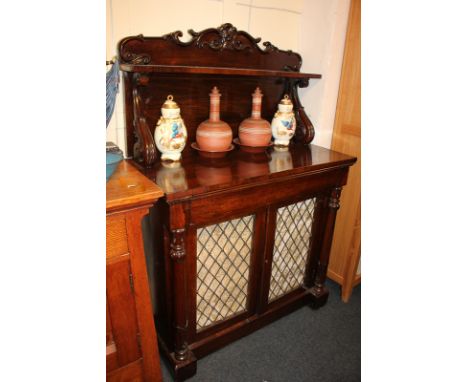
<point x="255" y="131"/>
<point x="283" y="124"/>
<point x="170" y="134"/>
<point x="213" y="134"/>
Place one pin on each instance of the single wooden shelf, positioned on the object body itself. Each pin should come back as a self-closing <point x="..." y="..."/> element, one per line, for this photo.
<point x="181" y="69"/>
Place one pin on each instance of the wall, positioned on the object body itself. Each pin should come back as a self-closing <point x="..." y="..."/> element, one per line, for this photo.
<point x="323" y="34"/>
<point x="314" y="28"/>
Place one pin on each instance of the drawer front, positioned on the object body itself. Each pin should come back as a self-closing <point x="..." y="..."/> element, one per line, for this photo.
<point x="223" y="206"/>
<point x="116" y="236"/>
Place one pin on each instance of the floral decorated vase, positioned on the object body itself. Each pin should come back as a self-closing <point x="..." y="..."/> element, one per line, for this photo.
<point x="255" y="131"/>
<point x="214" y="135"/>
<point x="170" y="133"/>
<point x="283" y="125"/>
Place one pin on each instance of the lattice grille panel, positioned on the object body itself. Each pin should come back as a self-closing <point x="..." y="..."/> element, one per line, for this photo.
<point x="292" y="238"/>
<point x="223" y="259"/>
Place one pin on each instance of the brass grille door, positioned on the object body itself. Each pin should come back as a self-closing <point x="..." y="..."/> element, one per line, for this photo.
<point x="292" y="240"/>
<point x="223" y="262"/>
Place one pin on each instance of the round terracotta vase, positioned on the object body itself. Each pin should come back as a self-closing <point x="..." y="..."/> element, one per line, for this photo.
<point x="213" y="134"/>
<point x="255" y="131"/>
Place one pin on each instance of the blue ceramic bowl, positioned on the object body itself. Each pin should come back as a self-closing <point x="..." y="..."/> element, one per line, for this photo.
<point x="113" y="158"/>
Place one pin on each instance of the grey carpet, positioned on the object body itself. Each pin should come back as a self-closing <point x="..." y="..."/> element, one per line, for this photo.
<point x="307" y="345"/>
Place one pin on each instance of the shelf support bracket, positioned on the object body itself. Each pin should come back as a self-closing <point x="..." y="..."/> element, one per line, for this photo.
<point x="305" y="131"/>
<point x="144" y="149"/>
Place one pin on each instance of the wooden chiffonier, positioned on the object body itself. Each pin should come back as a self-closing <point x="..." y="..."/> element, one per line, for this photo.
<point x="240" y="240"/>
<point x="131" y="348"/>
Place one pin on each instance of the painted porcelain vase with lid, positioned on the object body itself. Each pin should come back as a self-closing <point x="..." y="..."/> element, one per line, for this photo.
<point x="213" y="134"/>
<point x="170" y="133"/>
<point x="255" y="131"/>
<point x="283" y="125"/>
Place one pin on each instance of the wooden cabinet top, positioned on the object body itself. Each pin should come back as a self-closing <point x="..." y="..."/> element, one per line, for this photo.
<point x="198" y="176"/>
<point x="128" y="188"/>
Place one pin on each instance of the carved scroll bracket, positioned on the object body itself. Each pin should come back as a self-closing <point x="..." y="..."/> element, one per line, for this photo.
<point x="144" y="149"/>
<point x="305" y="131"/>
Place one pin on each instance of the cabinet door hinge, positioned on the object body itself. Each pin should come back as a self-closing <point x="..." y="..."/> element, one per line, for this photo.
<point x="130" y="276"/>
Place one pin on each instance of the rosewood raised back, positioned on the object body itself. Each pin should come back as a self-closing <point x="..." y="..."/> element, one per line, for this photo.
<point x="220" y="46"/>
<point x="224" y="57"/>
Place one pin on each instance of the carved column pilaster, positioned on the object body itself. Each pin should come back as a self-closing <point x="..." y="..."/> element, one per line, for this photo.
<point x="177" y="251"/>
<point x="318" y="289"/>
<point x="179" y="279"/>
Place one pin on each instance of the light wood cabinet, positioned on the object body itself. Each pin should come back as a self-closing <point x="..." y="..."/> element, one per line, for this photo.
<point x="131" y="347"/>
<point x="346" y="249"/>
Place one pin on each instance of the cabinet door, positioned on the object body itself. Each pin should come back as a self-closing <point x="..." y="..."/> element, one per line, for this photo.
<point x="223" y="264"/>
<point x="122" y="326"/>
<point x="122" y="320"/>
<point x="288" y="248"/>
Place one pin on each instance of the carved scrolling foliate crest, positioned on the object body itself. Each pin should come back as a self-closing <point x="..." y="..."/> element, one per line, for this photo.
<point x="131" y="57"/>
<point x="225" y="37"/>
